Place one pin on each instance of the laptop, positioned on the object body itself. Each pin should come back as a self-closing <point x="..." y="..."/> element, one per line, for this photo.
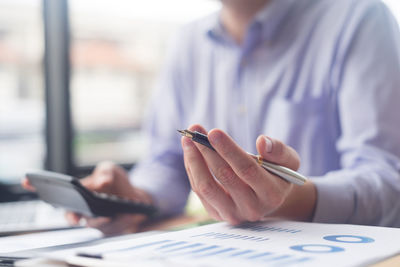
<point x="22" y="212"/>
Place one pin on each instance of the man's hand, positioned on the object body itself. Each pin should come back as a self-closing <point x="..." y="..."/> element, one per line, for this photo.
<point x="111" y="179"/>
<point x="234" y="188"/>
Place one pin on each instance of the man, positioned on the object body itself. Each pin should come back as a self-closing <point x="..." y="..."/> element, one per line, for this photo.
<point x="321" y="76"/>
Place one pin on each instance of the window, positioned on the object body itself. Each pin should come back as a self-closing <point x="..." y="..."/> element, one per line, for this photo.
<point x="117" y="48"/>
<point x="22" y="112"/>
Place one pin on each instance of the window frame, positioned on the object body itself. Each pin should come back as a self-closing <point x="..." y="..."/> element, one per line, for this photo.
<point x="57" y="97"/>
<point x="57" y="69"/>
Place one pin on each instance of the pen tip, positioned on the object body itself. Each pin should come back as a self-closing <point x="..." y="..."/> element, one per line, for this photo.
<point x="186" y="133"/>
<point x="182" y="132"/>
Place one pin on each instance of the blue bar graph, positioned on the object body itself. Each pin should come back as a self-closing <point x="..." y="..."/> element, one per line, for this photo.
<point x="259" y="255"/>
<point x="240" y="253"/>
<point x="183" y="248"/>
<point x="201" y="251"/>
<point x="278" y="258"/>
<point x="172" y="245"/>
<point x="218" y="252"/>
<point x="138" y="246"/>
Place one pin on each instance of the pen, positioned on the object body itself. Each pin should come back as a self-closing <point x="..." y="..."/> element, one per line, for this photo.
<point x="283" y="172"/>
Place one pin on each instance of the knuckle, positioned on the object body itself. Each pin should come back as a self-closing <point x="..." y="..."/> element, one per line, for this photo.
<point x="202" y="149"/>
<point x="248" y="172"/>
<point x="104" y="182"/>
<point x="226" y="175"/>
<point x="106" y="179"/>
<point x="206" y="190"/>
<point x="105" y="167"/>
<point x="190" y="156"/>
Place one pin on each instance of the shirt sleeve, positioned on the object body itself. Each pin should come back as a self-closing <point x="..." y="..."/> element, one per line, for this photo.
<point x="367" y="188"/>
<point x="162" y="173"/>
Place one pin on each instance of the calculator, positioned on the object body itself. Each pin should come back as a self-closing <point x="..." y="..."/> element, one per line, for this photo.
<point x="67" y="192"/>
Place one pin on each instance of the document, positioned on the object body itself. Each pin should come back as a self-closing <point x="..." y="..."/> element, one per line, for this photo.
<point x="47" y="239"/>
<point x="273" y="243"/>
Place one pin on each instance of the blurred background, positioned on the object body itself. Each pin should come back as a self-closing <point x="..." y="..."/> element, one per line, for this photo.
<point x="112" y="52"/>
<point x="115" y="51"/>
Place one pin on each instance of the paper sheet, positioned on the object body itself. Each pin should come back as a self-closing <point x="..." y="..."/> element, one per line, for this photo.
<point x="279" y="243"/>
<point x="100" y="246"/>
<point x="47" y="239"/>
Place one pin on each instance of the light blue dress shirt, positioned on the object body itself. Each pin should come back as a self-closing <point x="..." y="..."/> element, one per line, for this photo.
<point x="323" y="76"/>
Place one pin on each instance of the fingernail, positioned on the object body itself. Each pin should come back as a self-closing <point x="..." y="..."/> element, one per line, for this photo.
<point x="268" y="143"/>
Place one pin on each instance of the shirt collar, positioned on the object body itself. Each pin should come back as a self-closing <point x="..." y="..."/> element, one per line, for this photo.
<point x="268" y="20"/>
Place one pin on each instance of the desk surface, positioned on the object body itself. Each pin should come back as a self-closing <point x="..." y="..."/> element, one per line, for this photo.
<point x="392" y="262"/>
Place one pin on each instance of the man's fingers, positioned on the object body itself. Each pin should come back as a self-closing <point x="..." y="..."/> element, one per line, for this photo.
<point x="242" y="194"/>
<point x="73" y="218"/>
<point x="204" y="184"/>
<point x="195" y="127"/>
<point x="97" y="222"/>
<point x="27" y="185"/>
<point x="211" y="211"/>
<point x="277" y="152"/>
<point x="86" y="182"/>
<point x="241" y="163"/>
<point x="270" y="190"/>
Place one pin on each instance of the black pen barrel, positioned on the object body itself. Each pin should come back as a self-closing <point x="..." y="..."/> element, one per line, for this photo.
<point x="202" y="139"/>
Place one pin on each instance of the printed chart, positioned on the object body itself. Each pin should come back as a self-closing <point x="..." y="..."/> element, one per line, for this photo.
<point x="276" y="243"/>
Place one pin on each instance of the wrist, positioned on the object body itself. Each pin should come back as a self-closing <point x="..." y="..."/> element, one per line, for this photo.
<point x="300" y="203"/>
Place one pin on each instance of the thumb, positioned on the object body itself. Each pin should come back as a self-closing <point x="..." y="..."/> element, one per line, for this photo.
<point x="27" y="185"/>
<point x="277" y="152"/>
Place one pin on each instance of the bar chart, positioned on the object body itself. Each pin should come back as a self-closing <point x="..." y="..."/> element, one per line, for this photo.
<point x="275" y="243"/>
<point x="185" y="251"/>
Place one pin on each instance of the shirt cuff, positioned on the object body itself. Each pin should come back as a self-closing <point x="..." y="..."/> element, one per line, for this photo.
<point x="335" y="200"/>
